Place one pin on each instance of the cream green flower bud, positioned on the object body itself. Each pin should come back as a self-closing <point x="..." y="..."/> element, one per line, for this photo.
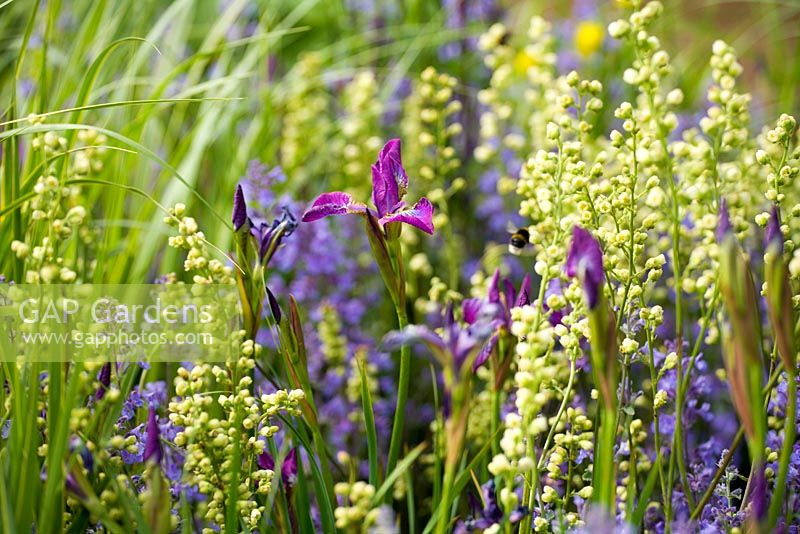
<point x="618" y="29"/>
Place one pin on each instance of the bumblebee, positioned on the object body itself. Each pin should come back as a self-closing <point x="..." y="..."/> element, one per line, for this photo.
<point x="519" y="241"/>
<point x="505" y="38"/>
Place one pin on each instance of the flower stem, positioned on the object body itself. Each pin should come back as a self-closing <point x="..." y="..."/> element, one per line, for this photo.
<point x="678" y="452"/>
<point x="444" y="504"/>
<point x="402" y="397"/>
<point x="656" y="425"/>
<point x="455" y="433"/>
<point x="605" y="484"/>
<point x="496" y="391"/>
<point x="495" y="424"/>
<point x="561" y="410"/>
<point x="789" y="433"/>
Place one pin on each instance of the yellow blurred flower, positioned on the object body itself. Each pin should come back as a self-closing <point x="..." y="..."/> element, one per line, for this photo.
<point x="523" y="61"/>
<point x="588" y="37"/>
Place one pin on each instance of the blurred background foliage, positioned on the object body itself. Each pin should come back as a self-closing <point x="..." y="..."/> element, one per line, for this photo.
<point x="249" y="63"/>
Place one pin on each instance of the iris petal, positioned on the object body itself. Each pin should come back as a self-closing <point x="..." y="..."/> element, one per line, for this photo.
<point x="585" y="261"/>
<point x="773" y="235"/>
<point x="335" y="203"/>
<point x="392" y="164"/>
<point x="485" y="352"/>
<point x="470" y="309"/>
<point x="524" y="296"/>
<point x="152" y="440"/>
<point x="385" y="194"/>
<point x="420" y="215"/>
<point x="494" y="287"/>
<point x="239" y="209"/>
<point x="724" y="226"/>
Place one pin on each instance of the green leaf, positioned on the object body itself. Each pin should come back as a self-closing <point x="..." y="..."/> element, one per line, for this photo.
<point x="398" y="471"/>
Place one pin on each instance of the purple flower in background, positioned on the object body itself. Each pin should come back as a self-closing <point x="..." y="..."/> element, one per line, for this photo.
<point x="487" y="512"/>
<point x="260" y="184"/>
<point x="585" y="261"/>
<point x="501" y="300"/>
<point x="389" y="186"/>
<point x="74" y="487"/>
<point x="773" y="237"/>
<point x="76" y="444"/>
<point x="724" y="227"/>
<point x="289" y="467"/>
<point x="506" y="297"/>
<point x="452" y="347"/>
<point x="759" y="496"/>
<point x="289" y="470"/>
<point x="266" y="461"/>
<point x="394" y="104"/>
<point x="104" y="377"/>
<point x="152" y="441"/>
<point x="458" y="15"/>
<point x="554" y="288"/>
<point x="268" y="237"/>
<point x="153" y="395"/>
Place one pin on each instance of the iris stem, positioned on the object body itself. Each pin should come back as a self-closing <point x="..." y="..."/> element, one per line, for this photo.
<point x="444" y="506"/>
<point x="402" y="397"/>
<point x="496" y="391"/>
<point x="437" y="441"/>
<point x="559" y="415"/>
<point x="495" y="421"/>
<point x="605" y="484"/>
<point x="789" y="433"/>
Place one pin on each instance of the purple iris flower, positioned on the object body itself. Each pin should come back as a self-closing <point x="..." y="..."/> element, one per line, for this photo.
<point x="240" y="217"/>
<point x="267" y="236"/>
<point x="152" y="442"/>
<point x="724" y="226"/>
<point x="289" y="470"/>
<point x="585" y="260"/>
<point x="266" y="461"/>
<point x="288" y="467"/>
<point x="76" y="444"/>
<point x="389" y="186"/>
<point x="759" y="495"/>
<point x="500" y="302"/>
<point x="270" y="236"/>
<point x="554" y="288"/>
<point x="453" y="347"/>
<point x="73" y="486"/>
<point x="773" y="237"/>
<point x="104" y="377"/>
